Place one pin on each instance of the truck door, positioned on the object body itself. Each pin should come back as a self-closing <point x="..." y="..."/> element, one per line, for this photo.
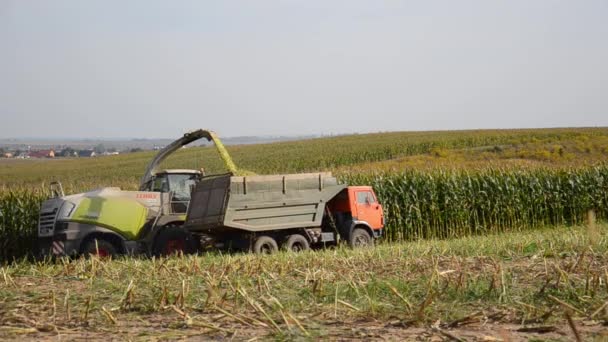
<point x="368" y="208"/>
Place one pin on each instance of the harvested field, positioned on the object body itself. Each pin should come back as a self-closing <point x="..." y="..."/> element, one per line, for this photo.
<point x="515" y="286"/>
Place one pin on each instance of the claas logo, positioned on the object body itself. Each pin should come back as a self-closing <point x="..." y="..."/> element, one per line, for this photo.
<point x="146" y="196"/>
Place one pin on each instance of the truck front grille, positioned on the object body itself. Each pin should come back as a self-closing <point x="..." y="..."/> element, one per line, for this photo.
<point x="46" y="222"/>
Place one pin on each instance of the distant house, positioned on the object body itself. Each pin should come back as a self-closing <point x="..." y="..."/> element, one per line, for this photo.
<point x="68" y="152"/>
<point x="110" y="153"/>
<point x="86" y="153"/>
<point x="8" y="155"/>
<point x="42" y="154"/>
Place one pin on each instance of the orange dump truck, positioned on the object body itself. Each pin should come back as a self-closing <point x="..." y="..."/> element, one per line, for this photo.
<point x="294" y="211"/>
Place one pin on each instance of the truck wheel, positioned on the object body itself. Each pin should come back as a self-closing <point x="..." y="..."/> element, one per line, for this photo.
<point x="172" y="240"/>
<point x="360" y="238"/>
<point x="99" y="247"/>
<point x="296" y="243"/>
<point x="265" y="245"/>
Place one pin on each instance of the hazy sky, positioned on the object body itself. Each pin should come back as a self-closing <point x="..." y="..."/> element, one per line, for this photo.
<point x="159" y="68"/>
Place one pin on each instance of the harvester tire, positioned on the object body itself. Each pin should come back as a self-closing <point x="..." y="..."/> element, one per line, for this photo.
<point x="174" y="240"/>
<point x="99" y="247"/>
<point x="265" y="244"/>
<point x="296" y="243"/>
<point x="360" y="238"/>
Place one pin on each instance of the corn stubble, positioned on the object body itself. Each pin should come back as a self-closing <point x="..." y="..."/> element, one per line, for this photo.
<point x="539" y="281"/>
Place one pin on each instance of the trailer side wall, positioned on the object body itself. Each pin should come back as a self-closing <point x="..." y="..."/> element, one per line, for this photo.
<point x="261" y="203"/>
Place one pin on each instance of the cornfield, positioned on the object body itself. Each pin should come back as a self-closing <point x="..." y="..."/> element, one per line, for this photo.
<point x="18" y="222"/>
<point x="448" y="204"/>
<point x="325" y="154"/>
<point x="418" y="204"/>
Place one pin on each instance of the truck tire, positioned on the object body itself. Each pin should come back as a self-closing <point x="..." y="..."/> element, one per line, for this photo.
<point x="265" y="244"/>
<point x="296" y="243"/>
<point x="173" y="240"/>
<point x="99" y="247"/>
<point x="360" y="238"/>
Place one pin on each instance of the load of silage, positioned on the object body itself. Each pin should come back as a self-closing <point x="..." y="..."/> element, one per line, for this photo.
<point x="227" y="159"/>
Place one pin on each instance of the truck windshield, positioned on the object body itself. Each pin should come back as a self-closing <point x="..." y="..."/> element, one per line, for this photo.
<point x="365" y="197"/>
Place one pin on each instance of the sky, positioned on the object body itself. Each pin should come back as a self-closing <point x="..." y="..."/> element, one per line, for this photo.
<point x="156" y="69"/>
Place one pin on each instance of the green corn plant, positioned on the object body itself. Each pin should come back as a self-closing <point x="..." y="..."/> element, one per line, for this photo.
<point x="454" y="203"/>
<point x="18" y="222"/>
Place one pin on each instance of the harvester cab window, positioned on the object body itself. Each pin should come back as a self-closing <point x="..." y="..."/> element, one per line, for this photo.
<point x="181" y="184"/>
<point x="160" y="184"/>
<point x="365" y="197"/>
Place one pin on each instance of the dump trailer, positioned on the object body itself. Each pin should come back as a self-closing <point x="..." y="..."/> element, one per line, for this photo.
<point x="293" y="212"/>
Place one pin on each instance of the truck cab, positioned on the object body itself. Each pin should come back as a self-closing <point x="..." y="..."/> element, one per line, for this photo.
<point x="365" y="207"/>
<point x="357" y="207"/>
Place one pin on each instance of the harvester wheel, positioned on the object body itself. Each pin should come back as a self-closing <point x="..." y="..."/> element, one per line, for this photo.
<point x="173" y="240"/>
<point x="296" y="243"/>
<point x="265" y="244"/>
<point x="360" y="238"/>
<point x="99" y="247"/>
